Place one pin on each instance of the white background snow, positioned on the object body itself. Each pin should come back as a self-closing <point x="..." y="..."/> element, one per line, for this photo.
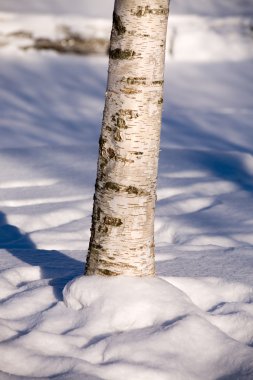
<point x="195" y="320"/>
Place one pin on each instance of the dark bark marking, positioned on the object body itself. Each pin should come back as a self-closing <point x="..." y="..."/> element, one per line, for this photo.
<point x="118" y="265"/>
<point x="111" y="221"/>
<point x="131" y="114"/>
<point x="103" y="162"/>
<point x="133" y="190"/>
<point x="101" y="143"/>
<point x="141" y="81"/>
<point x="127" y="90"/>
<point x="123" y="159"/>
<point x="117" y="135"/>
<point x="112" y="186"/>
<point x="121" y="54"/>
<point x="118" y="25"/>
<point x="103" y="229"/>
<point x="120" y="122"/>
<point x="143" y="11"/>
<point x="138" y="153"/>
<point x="157" y="82"/>
<point x="111" y="153"/>
<point x="106" y="272"/>
<point x="134" y="80"/>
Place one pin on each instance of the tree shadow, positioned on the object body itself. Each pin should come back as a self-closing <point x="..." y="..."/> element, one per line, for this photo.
<point x="55" y="266"/>
<point x="225" y="165"/>
<point x="59" y="132"/>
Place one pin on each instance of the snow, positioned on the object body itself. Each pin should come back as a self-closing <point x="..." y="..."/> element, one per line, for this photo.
<point x="126" y="327"/>
<point x="195" y="319"/>
<point x="207" y="37"/>
<point x="94" y="9"/>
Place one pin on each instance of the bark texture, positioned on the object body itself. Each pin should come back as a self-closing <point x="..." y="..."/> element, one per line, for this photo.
<point x="122" y="232"/>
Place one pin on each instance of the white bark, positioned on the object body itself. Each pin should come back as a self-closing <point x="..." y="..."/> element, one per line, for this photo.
<point x="122" y="232"/>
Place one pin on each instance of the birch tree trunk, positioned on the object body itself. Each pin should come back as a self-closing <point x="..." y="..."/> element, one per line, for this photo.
<point x="122" y="232"/>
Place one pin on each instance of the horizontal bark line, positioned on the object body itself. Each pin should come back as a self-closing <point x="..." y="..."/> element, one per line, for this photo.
<point x="142" y="81"/>
<point x="147" y="10"/>
<point x="119" y="188"/>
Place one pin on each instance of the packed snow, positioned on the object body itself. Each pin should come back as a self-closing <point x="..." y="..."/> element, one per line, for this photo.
<point x="195" y="319"/>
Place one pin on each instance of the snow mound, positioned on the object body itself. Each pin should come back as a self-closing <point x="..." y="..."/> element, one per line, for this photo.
<point x="124" y="328"/>
<point x="208" y="292"/>
<point x="126" y="302"/>
<point x="150" y="323"/>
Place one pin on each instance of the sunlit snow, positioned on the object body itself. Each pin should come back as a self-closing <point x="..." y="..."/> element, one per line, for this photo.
<point x="195" y="319"/>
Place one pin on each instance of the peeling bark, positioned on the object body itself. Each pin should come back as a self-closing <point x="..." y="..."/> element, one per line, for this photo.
<point x="122" y="231"/>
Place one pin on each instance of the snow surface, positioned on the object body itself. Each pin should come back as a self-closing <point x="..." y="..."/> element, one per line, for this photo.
<point x="190" y="38"/>
<point x="98" y="8"/>
<point x="195" y="320"/>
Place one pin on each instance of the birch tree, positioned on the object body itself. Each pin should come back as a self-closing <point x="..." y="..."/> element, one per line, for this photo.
<point x="122" y="231"/>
